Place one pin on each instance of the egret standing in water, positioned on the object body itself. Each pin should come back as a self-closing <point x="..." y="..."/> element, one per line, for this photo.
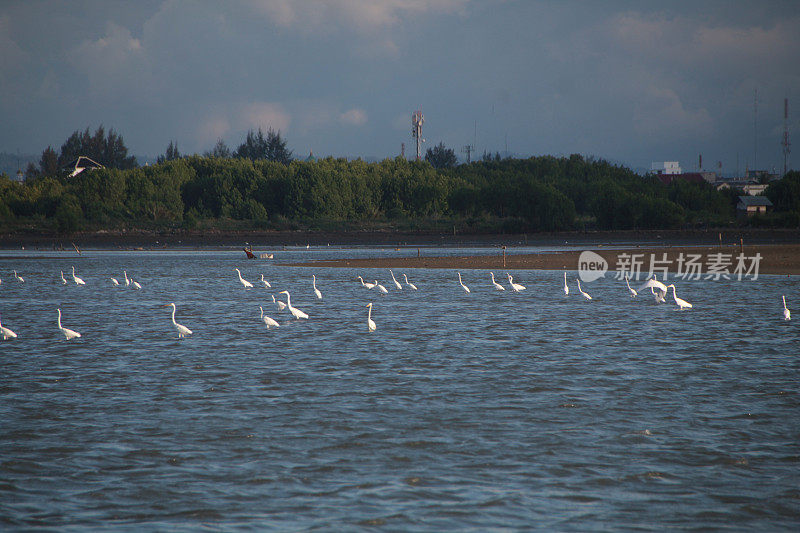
<point x="632" y="291"/>
<point x="581" y="291"/>
<point x="566" y="289"/>
<point x="659" y="296"/>
<point x="409" y="283"/>
<point x="115" y="282"/>
<point x="787" y="315"/>
<point x="62" y="278"/>
<point x="298" y="314"/>
<point x="18" y="277"/>
<point x="265" y="282"/>
<point x="381" y="287"/>
<point x="68" y="333"/>
<point x="516" y="286"/>
<point x="682" y="304"/>
<point x="76" y="279"/>
<point x="495" y="284"/>
<point x="370" y="323"/>
<point x="127" y="281"/>
<point x="396" y="283"/>
<point x="246" y="284"/>
<point x="314" y="284"/>
<point x="267" y="320"/>
<point x="6" y="333"/>
<point x="367" y="285"/>
<point x="180" y="328"/>
<point x="466" y="289"/>
<point x="280" y="304"/>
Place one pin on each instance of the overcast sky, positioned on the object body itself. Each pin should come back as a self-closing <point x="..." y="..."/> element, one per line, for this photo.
<point x="633" y="82"/>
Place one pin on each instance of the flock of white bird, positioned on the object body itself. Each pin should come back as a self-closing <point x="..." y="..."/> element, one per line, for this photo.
<point x="658" y="289"/>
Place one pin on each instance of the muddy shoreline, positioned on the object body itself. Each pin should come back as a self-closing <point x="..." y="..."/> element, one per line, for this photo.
<point x="781" y="259"/>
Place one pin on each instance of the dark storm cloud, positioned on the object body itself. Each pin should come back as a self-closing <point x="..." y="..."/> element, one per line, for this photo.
<point x="631" y="81"/>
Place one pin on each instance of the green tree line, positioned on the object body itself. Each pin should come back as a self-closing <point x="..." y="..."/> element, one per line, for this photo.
<point x="260" y="186"/>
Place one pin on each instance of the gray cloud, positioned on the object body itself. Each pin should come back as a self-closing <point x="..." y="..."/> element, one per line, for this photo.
<point x="632" y="81"/>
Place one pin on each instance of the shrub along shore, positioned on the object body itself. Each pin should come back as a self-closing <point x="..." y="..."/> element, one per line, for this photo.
<point x="218" y="194"/>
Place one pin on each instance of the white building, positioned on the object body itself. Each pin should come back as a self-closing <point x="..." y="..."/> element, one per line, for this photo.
<point x="666" y="167"/>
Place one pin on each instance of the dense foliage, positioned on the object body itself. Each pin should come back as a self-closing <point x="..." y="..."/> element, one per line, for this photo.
<point x="537" y="194"/>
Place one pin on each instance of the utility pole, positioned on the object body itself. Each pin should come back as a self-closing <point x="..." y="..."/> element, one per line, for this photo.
<point x="416" y="132"/>
<point x="785" y="142"/>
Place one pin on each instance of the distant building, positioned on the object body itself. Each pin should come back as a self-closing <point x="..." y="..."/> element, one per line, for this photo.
<point x="310" y="158"/>
<point x="694" y="177"/>
<point x="761" y="176"/>
<point x="752" y="205"/>
<point x="79" y="165"/>
<point x="665" y="167"/>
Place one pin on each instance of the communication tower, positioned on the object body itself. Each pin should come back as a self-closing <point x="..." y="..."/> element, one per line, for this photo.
<point x="785" y="142"/>
<point x="468" y="149"/>
<point x="416" y="129"/>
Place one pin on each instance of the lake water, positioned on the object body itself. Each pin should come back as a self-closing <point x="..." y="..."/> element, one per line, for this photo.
<point x="481" y="411"/>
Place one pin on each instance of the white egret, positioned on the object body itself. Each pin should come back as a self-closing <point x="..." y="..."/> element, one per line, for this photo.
<point x="396" y="283"/>
<point x="381" y="287"/>
<point x="466" y="289"/>
<point x="787" y="315"/>
<point x="314" y="284"/>
<point x="682" y="304"/>
<point x="280" y="304"/>
<point x="370" y="323"/>
<point x="115" y="282"/>
<point x="246" y="284"/>
<point x="409" y="283"/>
<point x="18" y="277"/>
<point x="581" y="291"/>
<point x="135" y="284"/>
<point x="516" y="286"/>
<point x="267" y="320"/>
<point x="367" y="285"/>
<point x="180" y="328"/>
<point x="6" y="333"/>
<point x="566" y="289"/>
<point x="68" y="333"/>
<point x="76" y="279"/>
<point x="127" y="281"/>
<point x="298" y="314"/>
<point x="659" y="296"/>
<point x="632" y="291"/>
<point x="265" y="282"/>
<point x="496" y="285"/>
<point x="62" y="278"/>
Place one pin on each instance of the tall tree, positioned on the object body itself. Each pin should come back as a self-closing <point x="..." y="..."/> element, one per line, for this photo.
<point x="276" y="148"/>
<point x="254" y="146"/>
<point x="271" y="148"/>
<point x="48" y="164"/>
<point x="220" y="150"/>
<point x="441" y="157"/>
<point x="108" y="150"/>
<point x="171" y="153"/>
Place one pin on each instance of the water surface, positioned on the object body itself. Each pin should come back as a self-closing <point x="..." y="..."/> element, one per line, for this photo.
<point x="477" y="411"/>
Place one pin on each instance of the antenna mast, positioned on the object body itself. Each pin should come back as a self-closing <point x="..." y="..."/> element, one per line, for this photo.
<point x="416" y="129"/>
<point x="785" y="142"/>
<point x="468" y="150"/>
<point x="755" y="129"/>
